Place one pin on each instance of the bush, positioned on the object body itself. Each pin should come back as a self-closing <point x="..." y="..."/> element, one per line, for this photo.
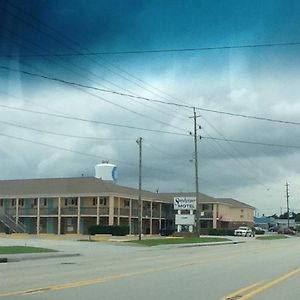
<point x="113" y="230"/>
<point x="259" y="231"/>
<point x="220" y="231"/>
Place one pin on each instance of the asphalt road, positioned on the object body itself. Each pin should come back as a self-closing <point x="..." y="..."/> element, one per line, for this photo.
<point x="268" y="270"/>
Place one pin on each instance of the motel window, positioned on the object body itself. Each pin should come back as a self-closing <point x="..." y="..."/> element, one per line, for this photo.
<point x="1" y="202"/>
<point x="103" y="201"/>
<point x="126" y="203"/>
<point x="207" y="207"/>
<point x="94" y="201"/>
<point x="21" y="202"/>
<point x="44" y="201"/>
<point x="71" y="202"/>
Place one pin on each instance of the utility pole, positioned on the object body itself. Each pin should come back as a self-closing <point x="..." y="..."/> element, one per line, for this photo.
<point x="287" y="203"/>
<point x="196" y="173"/>
<point x="139" y="142"/>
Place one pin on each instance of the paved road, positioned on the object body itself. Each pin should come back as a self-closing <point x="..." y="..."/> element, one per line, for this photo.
<point x="253" y="270"/>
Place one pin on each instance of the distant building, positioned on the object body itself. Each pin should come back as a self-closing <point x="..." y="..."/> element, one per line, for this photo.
<point x="265" y="222"/>
<point x="283" y="223"/>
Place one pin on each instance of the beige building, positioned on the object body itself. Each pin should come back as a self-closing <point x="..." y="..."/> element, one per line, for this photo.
<point x="71" y="205"/>
<point x="218" y="212"/>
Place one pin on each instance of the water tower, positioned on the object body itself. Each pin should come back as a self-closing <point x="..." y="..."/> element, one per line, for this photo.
<point x="106" y="171"/>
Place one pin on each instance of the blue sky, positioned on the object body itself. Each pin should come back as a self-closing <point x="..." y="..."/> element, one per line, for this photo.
<point x="261" y="81"/>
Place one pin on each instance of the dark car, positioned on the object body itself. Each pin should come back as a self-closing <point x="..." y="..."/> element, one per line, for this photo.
<point x="166" y="231"/>
<point x="286" y="231"/>
<point x="274" y="228"/>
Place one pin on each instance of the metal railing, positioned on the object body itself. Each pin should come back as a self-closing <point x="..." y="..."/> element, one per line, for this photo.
<point x="49" y="211"/>
<point x="27" y="211"/>
<point x="69" y="211"/>
<point x="10" y="223"/>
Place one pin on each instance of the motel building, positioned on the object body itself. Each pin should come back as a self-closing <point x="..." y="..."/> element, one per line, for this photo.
<point x="71" y="205"/>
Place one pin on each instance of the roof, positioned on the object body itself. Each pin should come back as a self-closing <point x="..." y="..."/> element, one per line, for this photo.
<point x="91" y="186"/>
<point x="65" y="187"/>
<point x="234" y="202"/>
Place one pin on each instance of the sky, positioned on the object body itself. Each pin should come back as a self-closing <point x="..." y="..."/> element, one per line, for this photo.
<point x="53" y="129"/>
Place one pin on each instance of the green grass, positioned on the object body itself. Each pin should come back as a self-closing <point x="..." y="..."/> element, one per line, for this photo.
<point x="170" y="241"/>
<point x="272" y="237"/>
<point x="22" y="249"/>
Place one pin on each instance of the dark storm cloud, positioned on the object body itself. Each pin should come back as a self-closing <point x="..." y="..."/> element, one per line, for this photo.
<point x="262" y="82"/>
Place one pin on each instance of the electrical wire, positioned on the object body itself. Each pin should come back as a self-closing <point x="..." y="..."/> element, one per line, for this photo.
<point x="69" y="117"/>
<point x="147" y="99"/>
<point x="170" y="50"/>
<point x="93" y="74"/>
<point x="92" y="121"/>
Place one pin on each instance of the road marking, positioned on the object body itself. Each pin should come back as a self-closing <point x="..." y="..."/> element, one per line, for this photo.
<point x="99" y="280"/>
<point x="270" y="284"/>
<point x="260" y="288"/>
<point x="236" y="294"/>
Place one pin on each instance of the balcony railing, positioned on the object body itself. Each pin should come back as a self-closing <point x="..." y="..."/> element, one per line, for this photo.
<point x="27" y="212"/>
<point x="147" y="213"/>
<point x="135" y="212"/>
<point x="104" y="211"/>
<point x="88" y="210"/>
<point x="69" y="211"/>
<point x="49" y="211"/>
<point x="124" y="211"/>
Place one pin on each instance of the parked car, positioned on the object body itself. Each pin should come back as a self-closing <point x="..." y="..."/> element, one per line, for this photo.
<point x="286" y="231"/>
<point x="167" y="231"/>
<point x="243" y="231"/>
<point x="274" y="228"/>
<point x="259" y="230"/>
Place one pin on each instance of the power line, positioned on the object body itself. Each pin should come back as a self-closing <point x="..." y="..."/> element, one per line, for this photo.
<point x="63" y="134"/>
<point x="50" y="146"/>
<point x="74" y="65"/>
<point x="136" y="128"/>
<point x="73" y="42"/>
<point x="166" y="50"/>
<point x="147" y="99"/>
<point x="92" y="121"/>
<point x="250" y="142"/>
<point x="130" y="127"/>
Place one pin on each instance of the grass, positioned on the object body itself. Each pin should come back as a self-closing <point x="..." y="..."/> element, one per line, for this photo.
<point x="22" y="249"/>
<point x="171" y="241"/>
<point x="272" y="237"/>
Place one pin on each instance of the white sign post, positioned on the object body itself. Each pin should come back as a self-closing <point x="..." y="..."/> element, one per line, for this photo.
<point x="185" y="203"/>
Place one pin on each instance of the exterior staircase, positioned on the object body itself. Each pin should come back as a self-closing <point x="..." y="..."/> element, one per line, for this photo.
<point x="11" y="224"/>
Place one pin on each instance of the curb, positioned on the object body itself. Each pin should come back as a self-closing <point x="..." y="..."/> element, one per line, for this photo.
<point x="213" y="244"/>
<point x="25" y="257"/>
<point x="203" y="244"/>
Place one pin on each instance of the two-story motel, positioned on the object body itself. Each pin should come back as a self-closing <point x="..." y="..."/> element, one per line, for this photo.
<point x="71" y="205"/>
